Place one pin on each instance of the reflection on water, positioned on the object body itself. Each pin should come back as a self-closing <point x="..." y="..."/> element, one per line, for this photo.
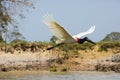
<point x="36" y="75"/>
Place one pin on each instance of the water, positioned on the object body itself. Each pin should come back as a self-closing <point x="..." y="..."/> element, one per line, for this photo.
<point x="36" y="75"/>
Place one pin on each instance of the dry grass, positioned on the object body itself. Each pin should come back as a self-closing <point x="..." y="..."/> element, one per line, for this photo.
<point x="79" y="57"/>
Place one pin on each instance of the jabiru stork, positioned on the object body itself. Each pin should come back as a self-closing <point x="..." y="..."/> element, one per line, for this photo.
<point x="63" y="36"/>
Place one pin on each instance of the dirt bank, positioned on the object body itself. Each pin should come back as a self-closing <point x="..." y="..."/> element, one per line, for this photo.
<point x="87" y="58"/>
<point x="42" y="61"/>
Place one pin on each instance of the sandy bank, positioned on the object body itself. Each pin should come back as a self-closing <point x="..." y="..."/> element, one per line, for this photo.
<point x="40" y="61"/>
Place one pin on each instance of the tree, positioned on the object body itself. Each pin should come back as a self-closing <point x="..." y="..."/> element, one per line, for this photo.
<point x="53" y="39"/>
<point x="112" y="36"/>
<point x="9" y="10"/>
<point x="14" y="34"/>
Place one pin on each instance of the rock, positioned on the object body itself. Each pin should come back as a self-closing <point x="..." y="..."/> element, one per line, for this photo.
<point x="116" y="57"/>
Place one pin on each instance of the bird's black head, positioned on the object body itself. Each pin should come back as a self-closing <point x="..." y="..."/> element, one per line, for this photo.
<point x="86" y="39"/>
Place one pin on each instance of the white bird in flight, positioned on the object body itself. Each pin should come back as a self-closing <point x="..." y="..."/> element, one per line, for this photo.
<point x="62" y="35"/>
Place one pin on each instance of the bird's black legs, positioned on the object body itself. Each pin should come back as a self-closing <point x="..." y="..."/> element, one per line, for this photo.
<point x="54" y="46"/>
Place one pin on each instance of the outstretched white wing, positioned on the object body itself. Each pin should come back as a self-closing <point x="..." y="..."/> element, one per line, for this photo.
<point x="56" y="29"/>
<point x="92" y="28"/>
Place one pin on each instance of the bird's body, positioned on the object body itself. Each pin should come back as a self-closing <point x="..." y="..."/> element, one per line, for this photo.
<point x="63" y="36"/>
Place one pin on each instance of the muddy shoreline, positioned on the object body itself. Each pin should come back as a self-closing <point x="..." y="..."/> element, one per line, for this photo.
<point x="29" y="61"/>
<point x="37" y="66"/>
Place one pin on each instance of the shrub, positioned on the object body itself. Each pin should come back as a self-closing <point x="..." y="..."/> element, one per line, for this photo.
<point x="104" y="45"/>
<point x="76" y="46"/>
<point x="53" y="69"/>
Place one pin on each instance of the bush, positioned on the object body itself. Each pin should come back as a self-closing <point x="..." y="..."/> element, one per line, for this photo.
<point x="76" y="46"/>
<point x="53" y="69"/>
<point x="104" y="45"/>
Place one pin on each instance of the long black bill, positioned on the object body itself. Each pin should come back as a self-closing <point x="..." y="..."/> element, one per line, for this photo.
<point x="91" y="41"/>
<point x="54" y="46"/>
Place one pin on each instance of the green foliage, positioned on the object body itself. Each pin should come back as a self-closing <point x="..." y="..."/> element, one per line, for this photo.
<point x="21" y="44"/>
<point x="102" y="48"/>
<point x="2" y="44"/>
<point x="18" y="42"/>
<point x="76" y="46"/>
<point x="53" y="39"/>
<point x="53" y="69"/>
<point x="104" y="45"/>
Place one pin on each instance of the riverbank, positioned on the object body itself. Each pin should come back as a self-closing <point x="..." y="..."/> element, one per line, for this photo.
<point x="89" y="60"/>
<point x="26" y="56"/>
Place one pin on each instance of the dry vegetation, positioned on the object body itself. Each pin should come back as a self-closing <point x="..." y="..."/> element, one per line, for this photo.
<point x="24" y="55"/>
